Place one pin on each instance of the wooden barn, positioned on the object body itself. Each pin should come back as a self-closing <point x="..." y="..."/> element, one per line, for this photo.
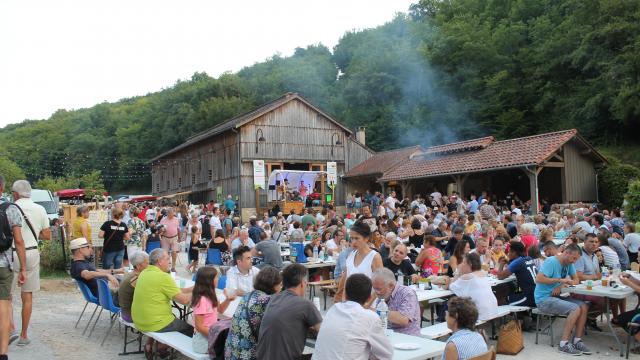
<point x="288" y="133"/>
<point x="559" y="167"/>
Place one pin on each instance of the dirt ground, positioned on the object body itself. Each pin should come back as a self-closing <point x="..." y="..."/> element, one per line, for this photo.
<point x="58" y="304"/>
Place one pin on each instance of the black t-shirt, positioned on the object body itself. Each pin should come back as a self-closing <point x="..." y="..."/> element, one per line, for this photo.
<point x="451" y="245"/>
<point x="115" y="242"/>
<point x="222" y="246"/>
<point x="405" y="268"/>
<point x="77" y="267"/>
<point x="308" y="249"/>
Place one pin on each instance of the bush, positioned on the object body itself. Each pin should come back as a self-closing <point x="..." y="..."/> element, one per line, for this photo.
<point x="51" y="259"/>
<point x="632" y="205"/>
<point x="613" y="182"/>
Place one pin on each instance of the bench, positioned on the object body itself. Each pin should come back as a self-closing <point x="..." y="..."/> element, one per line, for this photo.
<point x="548" y="327"/>
<point x="440" y="330"/>
<point x="127" y="325"/>
<point x="313" y="284"/>
<point x="178" y="342"/>
<point x="331" y="290"/>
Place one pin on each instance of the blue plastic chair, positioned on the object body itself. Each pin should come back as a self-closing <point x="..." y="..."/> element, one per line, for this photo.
<point x="152" y="245"/>
<point x="222" y="282"/>
<point x="214" y="257"/>
<point x="106" y="301"/>
<point x="90" y="299"/>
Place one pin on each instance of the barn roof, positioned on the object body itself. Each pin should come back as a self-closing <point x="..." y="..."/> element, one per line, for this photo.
<point x="485" y="154"/>
<point x="242" y="119"/>
<point x="383" y="161"/>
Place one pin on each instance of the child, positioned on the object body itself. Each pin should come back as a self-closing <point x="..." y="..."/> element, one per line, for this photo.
<point x="206" y="307"/>
<point x="194" y="250"/>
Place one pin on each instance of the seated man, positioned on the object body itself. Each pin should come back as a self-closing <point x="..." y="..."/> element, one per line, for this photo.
<point x="155" y="290"/>
<point x="588" y="268"/>
<point x="243" y="240"/>
<point x="240" y="277"/>
<point x="269" y="250"/>
<point x="350" y="330"/>
<point x="83" y="269"/>
<point x="550" y="280"/>
<point x="458" y="235"/>
<point x="404" y="310"/>
<point x="399" y="264"/>
<point x="482" y="249"/>
<point x="473" y="282"/>
<point x="525" y="270"/>
<point x="287" y="318"/>
<point x="139" y="260"/>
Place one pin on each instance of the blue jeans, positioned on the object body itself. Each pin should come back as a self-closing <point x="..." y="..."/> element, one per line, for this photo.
<point x="112" y="259"/>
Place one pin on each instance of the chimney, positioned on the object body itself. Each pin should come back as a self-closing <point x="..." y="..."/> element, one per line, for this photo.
<point x="360" y="135"/>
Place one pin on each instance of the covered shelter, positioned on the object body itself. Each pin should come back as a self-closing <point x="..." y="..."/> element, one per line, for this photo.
<point x="559" y="166"/>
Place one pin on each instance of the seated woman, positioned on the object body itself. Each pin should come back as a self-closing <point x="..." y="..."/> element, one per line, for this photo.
<point x="206" y="307"/>
<point x="430" y="259"/>
<point x="242" y="339"/>
<point x="464" y="343"/>
<point x="462" y="248"/>
<point x="632" y="316"/>
<point x="474" y="283"/>
<point x="399" y="264"/>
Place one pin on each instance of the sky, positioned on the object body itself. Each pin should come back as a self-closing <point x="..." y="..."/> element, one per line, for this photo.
<point x="66" y="54"/>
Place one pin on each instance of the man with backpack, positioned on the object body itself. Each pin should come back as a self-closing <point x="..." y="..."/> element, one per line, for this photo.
<point x="10" y="233"/>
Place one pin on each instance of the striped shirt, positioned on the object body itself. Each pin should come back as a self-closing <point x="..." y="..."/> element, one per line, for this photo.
<point x="611" y="258"/>
<point x="468" y="343"/>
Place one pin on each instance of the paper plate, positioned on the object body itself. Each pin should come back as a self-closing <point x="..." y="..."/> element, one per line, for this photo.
<point x="406" y="346"/>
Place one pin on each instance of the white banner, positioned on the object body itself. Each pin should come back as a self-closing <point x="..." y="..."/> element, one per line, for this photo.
<point x="259" y="174"/>
<point x="96" y="219"/>
<point x="332" y="173"/>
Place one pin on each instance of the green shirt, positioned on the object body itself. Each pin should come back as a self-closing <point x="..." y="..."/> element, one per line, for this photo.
<point x="151" y="308"/>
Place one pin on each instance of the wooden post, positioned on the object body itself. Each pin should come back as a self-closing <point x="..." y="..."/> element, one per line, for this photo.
<point x="257" y="201"/>
<point x="533" y="187"/>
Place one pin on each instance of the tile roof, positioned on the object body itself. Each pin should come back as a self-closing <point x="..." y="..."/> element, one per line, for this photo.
<point x="383" y="161"/>
<point x="487" y="155"/>
<point x="474" y="144"/>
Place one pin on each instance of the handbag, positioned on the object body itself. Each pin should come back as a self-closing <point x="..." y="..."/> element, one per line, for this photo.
<point x="510" y="341"/>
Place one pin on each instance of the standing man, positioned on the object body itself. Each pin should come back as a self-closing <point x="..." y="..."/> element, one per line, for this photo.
<point x="390" y="204"/>
<point x="169" y="240"/>
<point x="10" y="232"/>
<point x="215" y="222"/>
<point x="288" y="318"/>
<point x="35" y="223"/>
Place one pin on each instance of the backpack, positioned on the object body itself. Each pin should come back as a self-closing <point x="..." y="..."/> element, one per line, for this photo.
<point x="6" y="235"/>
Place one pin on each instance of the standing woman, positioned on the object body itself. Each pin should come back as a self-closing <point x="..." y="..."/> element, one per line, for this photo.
<point x="363" y="260"/>
<point x="81" y="227"/>
<point x="115" y="233"/>
<point x="136" y="232"/>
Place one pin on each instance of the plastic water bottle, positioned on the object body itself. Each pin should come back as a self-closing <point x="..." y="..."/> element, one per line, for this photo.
<point x="321" y="255"/>
<point x="383" y="312"/>
<point x="400" y="279"/>
<point x="294" y="254"/>
<point x="315" y="253"/>
<point x="605" y="273"/>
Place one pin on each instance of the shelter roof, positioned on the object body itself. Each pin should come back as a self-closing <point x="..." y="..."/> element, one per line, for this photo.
<point x="383" y="161"/>
<point x="485" y="154"/>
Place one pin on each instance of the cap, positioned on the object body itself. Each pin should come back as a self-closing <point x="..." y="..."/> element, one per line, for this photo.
<point x="78" y="243"/>
<point x="484" y="201"/>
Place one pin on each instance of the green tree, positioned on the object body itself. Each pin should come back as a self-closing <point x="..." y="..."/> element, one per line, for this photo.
<point x="632" y="197"/>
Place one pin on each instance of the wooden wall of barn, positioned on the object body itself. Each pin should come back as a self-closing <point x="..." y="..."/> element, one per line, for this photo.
<point x="580" y="174"/>
<point x="201" y="167"/>
<point x="293" y="132"/>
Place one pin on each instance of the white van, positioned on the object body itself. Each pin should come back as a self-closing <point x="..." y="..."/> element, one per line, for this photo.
<point x="46" y="200"/>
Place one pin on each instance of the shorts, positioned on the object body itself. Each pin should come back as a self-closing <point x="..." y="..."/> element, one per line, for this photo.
<point x="557" y="306"/>
<point x="200" y="343"/>
<point x="32" y="282"/>
<point x="6" y="279"/>
<point x="170" y="243"/>
<point x="596" y="302"/>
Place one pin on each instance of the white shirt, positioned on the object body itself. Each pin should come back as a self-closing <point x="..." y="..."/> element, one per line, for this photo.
<point x="215" y="224"/>
<point x="151" y="214"/>
<point x="391" y="202"/>
<point x="349" y="331"/>
<point x="610" y="256"/>
<point x="331" y="244"/>
<point x="37" y="216"/>
<point x="237" y="280"/>
<point x="632" y="242"/>
<point x="478" y="289"/>
<point x="319" y="218"/>
<point x="365" y="265"/>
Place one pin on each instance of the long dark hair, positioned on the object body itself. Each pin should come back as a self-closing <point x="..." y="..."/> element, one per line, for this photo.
<point x="458" y="251"/>
<point x="204" y="286"/>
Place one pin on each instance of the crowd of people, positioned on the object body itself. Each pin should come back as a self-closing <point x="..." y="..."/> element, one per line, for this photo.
<point x="380" y="245"/>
